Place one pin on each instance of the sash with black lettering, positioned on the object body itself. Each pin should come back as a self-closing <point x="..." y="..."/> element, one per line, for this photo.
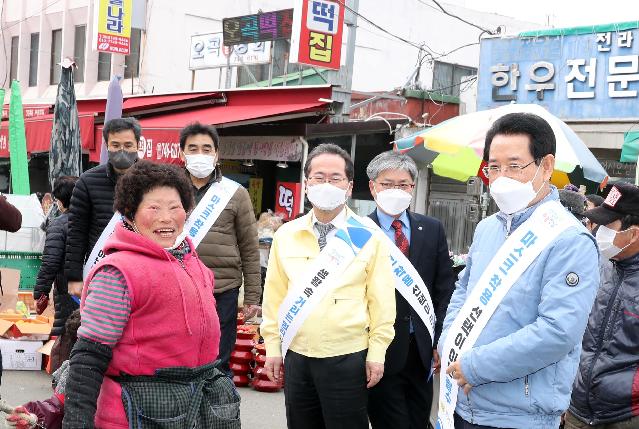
<point x="410" y="285"/>
<point x="321" y="278"/>
<point x="209" y="209"/>
<point x="513" y="258"/>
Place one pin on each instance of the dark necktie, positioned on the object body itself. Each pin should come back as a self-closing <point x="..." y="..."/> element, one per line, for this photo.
<point x="400" y="239"/>
<point x="324" y="229"/>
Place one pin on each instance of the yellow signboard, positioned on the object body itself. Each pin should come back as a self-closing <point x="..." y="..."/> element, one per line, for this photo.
<point x="112" y="26"/>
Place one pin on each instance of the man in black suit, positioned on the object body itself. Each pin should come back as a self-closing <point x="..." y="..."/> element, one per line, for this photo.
<point x="402" y="399"/>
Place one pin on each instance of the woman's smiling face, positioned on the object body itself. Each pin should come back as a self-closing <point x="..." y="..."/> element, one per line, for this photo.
<point x="160" y="216"/>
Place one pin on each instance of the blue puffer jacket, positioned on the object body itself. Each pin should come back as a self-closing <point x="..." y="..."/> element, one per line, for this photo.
<point x="524" y="362"/>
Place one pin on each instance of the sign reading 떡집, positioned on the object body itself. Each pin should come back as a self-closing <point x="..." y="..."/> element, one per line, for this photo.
<point x="112" y="26"/>
<point x="258" y="28"/>
<point x="318" y="27"/>
<point x="208" y="51"/>
<point x="594" y="75"/>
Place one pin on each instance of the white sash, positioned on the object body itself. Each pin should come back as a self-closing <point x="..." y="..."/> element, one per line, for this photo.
<point x="321" y="278"/>
<point x="511" y="261"/>
<point x="209" y="209"/>
<point x="97" y="253"/>
<point x="410" y="285"/>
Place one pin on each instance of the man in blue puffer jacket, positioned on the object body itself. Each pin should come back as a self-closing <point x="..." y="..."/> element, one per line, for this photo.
<point x="519" y="372"/>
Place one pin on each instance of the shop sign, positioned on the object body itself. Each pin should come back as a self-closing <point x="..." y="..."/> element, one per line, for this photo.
<point x="207" y="51"/>
<point x="575" y="76"/>
<point x="266" y="148"/>
<point x="29" y="111"/>
<point x="619" y="170"/>
<point x="259" y="27"/>
<point x="287" y="199"/>
<point x="112" y="26"/>
<point x="256" y="186"/>
<point x="318" y="26"/>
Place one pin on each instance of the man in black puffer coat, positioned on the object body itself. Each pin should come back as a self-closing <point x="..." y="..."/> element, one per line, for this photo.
<point x="52" y="268"/>
<point x="606" y="391"/>
<point x="92" y="200"/>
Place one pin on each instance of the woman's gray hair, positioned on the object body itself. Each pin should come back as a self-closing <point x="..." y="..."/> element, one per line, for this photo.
<point x="391" y="161"/>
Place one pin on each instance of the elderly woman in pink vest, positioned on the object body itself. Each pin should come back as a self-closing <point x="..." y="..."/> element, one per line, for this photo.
<point x="150" y="332"/>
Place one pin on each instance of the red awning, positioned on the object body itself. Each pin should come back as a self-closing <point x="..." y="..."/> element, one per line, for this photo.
<point x="154" y="101"/>
<point x="243" y="106"/>
<point x="38" y="133"/>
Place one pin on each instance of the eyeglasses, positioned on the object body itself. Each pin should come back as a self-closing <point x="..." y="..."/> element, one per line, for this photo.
<point x="403" y="186"/>
<point x="333" y="180"/>
<point x="512" y="169"/>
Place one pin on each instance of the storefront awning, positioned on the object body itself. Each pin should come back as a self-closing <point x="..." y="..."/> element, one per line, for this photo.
<point x="38" y="133"/>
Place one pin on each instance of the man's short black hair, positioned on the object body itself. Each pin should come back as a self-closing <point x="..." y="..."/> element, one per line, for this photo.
<point x="542" y="137"/>
<point x="63" y="188"/>
<point x="143" y="177"/>
<point x="628" y="221"/>
<point x="121" y="124"/>
<point x="333" y="149"/>
<point x="198" y="128"/>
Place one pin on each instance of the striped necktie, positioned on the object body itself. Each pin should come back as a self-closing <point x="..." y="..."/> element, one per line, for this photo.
<point x="324" y="229"/>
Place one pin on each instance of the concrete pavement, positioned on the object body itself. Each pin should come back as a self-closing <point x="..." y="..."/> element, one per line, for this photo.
<point x="259" y="410"/>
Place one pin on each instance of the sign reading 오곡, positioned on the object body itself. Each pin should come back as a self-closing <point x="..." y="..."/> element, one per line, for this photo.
<point x="208" y="51"/>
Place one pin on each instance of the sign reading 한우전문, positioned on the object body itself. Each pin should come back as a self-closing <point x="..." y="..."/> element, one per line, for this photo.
<point x="318" y="26"/>
<point x="208" y="51"/>
<point x="258" y="28"/>
<point x="580" y="73"/>
<point x="112" y="26"/>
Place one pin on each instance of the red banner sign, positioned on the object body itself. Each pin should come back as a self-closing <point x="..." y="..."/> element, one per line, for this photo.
<point x="287" y="199"/>
<point x="318" y="26"/>
<point x="155" y="145"/>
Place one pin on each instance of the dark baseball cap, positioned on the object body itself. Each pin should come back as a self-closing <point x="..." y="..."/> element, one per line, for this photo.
<point x="622" y="200"/>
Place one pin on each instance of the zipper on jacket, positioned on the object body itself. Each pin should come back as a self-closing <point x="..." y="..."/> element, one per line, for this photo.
<point x="600" y="339"/>
<point x="526" y="386"/>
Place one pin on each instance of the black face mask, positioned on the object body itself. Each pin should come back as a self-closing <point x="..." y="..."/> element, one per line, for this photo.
<point x="122" y="160"/>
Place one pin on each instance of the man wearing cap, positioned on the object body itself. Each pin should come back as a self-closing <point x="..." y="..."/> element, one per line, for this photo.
<point x="606" y="391"/>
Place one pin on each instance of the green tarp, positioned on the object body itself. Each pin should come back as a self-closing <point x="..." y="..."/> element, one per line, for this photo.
<point x="17" y="144"/>
<point x="587" y="29"/>
<point x="630" y="148"/>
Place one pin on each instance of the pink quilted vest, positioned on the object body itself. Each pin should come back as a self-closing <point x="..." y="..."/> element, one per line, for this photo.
<point x="173" y="319"/>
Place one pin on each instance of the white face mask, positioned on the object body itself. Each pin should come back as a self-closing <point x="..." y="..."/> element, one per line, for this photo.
<point x="200" y="165"/>
<point x="605" y="238"/>
<point x="512" y="195"/>
<point x="326" y="196"/>
<point x="393" y="201"/>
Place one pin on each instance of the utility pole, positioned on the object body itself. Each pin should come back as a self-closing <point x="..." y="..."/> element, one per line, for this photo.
<point x="343" y="78"/>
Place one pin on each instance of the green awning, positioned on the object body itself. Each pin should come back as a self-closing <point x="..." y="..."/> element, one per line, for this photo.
<point x="630" y="148"/>
<point x="587" y="29"/>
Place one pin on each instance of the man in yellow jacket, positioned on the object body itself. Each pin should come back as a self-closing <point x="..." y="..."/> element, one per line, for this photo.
<point x="338" y="351"/>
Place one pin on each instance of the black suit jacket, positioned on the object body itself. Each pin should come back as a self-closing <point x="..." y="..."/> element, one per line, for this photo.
<point x="429" y="255"/>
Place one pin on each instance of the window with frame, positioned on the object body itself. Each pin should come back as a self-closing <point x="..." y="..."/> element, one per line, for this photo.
<point x="56" y="55"/>
<point x="447" y="78"/>
<point x="132" y="61"/>
<point x="104" y="66"/>
<point x="33" y="59"/>
<point x="13" y="68"/>
<point x="79" y="47"/>
<point x="281" y="49"/>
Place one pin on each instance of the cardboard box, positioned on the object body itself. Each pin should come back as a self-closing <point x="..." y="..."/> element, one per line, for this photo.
<point x="18" y="328"/>
<point x="21" y="355"/>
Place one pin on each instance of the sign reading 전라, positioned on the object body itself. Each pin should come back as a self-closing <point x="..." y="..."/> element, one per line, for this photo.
<point x="318" y="27"/>
<point x="580" y="73"/>
<point x="112" y="26"/>
<point x="208" y="51"/>
<point x="260" y="27"/>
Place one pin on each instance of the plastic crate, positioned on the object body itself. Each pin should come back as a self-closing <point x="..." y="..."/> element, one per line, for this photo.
<point x="28" y="263"/>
